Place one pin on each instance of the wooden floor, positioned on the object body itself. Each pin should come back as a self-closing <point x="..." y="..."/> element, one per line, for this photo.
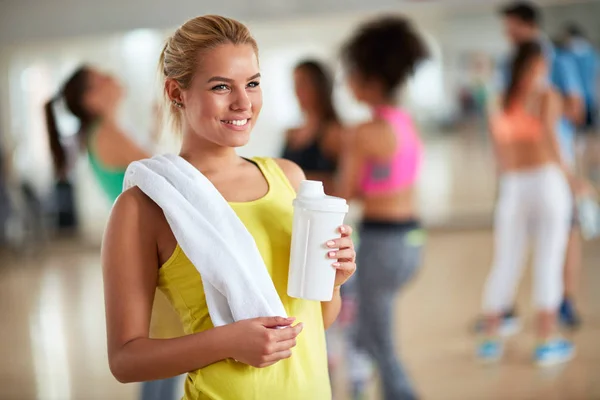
<point x="52" y="330"/>
<point x="52" y="336"/>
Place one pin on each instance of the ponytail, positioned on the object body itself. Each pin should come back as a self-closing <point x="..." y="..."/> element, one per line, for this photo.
<point x="520" y="64"/>
<point x="59" y="156"/>
<point x="72" y="93"/>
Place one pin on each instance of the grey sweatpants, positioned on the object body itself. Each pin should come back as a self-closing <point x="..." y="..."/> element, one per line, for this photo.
<point x="388" y="257"/>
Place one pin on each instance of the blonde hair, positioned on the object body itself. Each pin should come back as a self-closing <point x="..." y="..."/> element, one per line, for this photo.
<point x="179" y="58"/>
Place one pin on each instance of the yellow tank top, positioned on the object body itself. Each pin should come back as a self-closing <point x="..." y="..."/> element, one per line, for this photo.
<point x="302" y="376"/>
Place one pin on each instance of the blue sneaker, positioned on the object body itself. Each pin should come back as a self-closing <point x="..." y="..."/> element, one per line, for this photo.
<point x="553" y="352"/>
<point x="490" y="351"/>
<point x="568" y="315"/>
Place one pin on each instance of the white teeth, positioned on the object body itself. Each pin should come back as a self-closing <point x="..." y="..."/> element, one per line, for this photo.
<point x="237" y="122"/>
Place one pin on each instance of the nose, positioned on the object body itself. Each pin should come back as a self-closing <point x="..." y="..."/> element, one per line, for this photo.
<point x="241" y="101"/>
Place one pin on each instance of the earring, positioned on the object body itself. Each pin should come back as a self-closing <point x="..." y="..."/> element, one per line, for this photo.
<point x="176" y="103"/>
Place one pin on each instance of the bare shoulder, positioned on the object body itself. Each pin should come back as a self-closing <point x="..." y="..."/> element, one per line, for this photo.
<point x="134" y="212"/>
<point x="366" y="128"/>
<point x="372" y="129"/>
<point x="292" y="171"/>
<point x="133" y="201"/>
<point x="373" y="138"/>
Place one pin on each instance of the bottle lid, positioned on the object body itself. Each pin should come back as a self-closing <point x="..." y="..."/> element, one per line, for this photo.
<point x="311" y="196"/>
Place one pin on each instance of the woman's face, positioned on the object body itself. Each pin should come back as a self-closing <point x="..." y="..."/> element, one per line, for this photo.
<point x="103" y="93"/>
<point x="224" y="99"/>
<point x="305" y="90"/>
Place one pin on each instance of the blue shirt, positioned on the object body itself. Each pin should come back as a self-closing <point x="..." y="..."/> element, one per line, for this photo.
<point x="564" y="77"/>
<point x="587" y="63"/>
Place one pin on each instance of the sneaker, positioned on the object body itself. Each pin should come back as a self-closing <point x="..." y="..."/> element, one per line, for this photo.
<point x="553" y="352"/>
<point x="490" y="351"/>
<point x="510" y="325"/>
<point x="568" y="316"/>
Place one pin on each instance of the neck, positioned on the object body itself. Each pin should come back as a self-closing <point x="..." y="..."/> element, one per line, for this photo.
<point x="109" y="118"/>
<point x="382" y="102"/>
<point x="535" y="34"/>
<point x="375" y="106"/>
<point x="207" y="156"/>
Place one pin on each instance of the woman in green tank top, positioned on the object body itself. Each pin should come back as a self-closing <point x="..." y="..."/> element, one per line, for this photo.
<point x="93" y="98"/>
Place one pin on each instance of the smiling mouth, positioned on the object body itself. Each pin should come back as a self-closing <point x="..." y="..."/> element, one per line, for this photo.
<point x="236" y="122"/>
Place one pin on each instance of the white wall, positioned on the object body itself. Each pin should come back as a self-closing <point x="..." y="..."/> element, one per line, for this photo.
<point x="33" y="69"/>
<point x="26" y="20"/>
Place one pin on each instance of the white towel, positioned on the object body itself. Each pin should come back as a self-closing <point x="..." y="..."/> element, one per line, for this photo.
<point x="236" y="282"/>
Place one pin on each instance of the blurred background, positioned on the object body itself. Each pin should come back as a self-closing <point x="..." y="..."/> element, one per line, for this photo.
<point x="52" y="335"/>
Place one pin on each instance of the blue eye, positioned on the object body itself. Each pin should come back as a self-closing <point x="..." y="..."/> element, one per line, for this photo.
<point x="220" y="87"/>
<point x="254" y="84"/>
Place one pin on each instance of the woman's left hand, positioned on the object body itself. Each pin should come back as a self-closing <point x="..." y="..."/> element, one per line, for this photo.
<point x="345" y="256"/>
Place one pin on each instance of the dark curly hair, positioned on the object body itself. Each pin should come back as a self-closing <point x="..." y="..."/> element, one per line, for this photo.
<point x="387" y="49"/>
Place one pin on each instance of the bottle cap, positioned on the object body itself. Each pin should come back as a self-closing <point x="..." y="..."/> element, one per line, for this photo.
<point x="311" y="196"/>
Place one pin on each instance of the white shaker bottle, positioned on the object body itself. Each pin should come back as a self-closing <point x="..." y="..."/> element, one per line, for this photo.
<point x="317" y="218"/>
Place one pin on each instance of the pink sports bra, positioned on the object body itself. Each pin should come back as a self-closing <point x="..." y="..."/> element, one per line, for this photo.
<point x="402" y="170"/>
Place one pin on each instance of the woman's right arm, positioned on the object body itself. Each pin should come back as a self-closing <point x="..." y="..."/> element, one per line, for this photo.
<point x="130" y="268"/>
<point x="551" y="111"/>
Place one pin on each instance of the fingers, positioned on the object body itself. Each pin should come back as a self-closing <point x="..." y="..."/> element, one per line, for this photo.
<point x="279" y="345"/>
<point x="345" y="266"/>
<point x="285" y="345"/>
<point x="265" y="365"/>
<point x="275" y="357"/>
<point x="283" y="335"/>
<point x="274" y="322"/>
<point x="345" y="230"/>
<point x="340" y="243"/>
<point x="345" y="254"/>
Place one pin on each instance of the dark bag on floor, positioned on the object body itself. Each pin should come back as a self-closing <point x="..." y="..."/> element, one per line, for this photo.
<point x="65" y="205"/>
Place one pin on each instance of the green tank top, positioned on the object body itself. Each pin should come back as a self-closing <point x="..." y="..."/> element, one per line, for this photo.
<point x="110" y="179"/>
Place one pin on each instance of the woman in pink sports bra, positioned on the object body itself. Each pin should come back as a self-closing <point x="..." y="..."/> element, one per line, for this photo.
<point x="380" y="165"/>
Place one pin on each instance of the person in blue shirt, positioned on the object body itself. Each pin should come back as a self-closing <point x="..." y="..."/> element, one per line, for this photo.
<point x="587" y="62"/>
<point x="521" y="22"/>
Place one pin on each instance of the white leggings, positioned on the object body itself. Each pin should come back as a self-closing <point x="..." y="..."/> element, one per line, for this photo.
<point x="536" y="203"/>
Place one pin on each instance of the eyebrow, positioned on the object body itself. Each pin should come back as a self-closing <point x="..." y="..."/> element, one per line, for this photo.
<point x="222" y="79"/>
